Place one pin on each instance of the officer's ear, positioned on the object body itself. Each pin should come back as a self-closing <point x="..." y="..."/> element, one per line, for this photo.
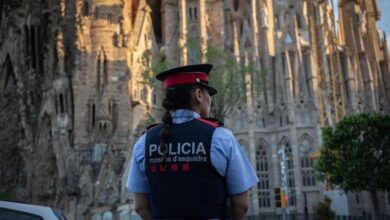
<point x="198" y="95"/>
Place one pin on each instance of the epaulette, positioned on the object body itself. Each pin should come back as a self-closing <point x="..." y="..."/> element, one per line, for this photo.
<point x="212" y="121"/>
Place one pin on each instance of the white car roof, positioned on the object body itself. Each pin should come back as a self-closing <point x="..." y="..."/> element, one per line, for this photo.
<point x="45" y="212"/>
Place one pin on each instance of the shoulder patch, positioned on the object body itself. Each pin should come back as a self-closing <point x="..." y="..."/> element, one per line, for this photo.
<point x="211" y="121"/>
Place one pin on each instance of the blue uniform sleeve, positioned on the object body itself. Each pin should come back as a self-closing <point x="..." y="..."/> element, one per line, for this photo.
<point x="230" y="161"/>
<point x="137" y="180"/>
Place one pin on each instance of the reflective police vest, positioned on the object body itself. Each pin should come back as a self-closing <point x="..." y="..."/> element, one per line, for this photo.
<point x="184" y="184"/>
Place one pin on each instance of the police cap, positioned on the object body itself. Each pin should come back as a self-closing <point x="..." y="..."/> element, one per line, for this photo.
<point x="188" y="75"/>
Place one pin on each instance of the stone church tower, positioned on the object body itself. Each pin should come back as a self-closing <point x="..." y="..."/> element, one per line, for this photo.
<point x="74" y="99"/>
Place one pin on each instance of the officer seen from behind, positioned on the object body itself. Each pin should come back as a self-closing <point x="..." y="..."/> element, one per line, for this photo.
<point x="187" y="166"/>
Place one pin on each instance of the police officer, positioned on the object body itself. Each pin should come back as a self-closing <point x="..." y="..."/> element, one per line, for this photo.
<point x="187" y="166"/>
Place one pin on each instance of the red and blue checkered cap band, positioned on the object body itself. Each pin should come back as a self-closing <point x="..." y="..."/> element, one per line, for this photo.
<point x="186" y="78"/>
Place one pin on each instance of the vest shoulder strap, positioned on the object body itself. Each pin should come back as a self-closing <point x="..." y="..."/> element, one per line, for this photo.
<point x="150" y="127"/>
<point x="211" y="121"/>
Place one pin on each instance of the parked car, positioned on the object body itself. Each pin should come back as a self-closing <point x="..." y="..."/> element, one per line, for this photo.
<point x="12" y="210"/>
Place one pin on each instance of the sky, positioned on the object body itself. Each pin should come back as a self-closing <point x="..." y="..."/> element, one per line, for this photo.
<point x="384" y="23"/>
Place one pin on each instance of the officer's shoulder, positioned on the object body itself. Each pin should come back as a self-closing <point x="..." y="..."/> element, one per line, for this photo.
<point x="211" y="121"/>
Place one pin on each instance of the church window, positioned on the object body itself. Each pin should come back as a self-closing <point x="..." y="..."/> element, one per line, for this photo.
<point x="26" y="38"/>
<point x="112" y="107"/>
<point x="98" y="152"/>
<point x="93" y="114"/>
<point x="85" y="8"/>
<point x="307" y="69"/>
<point x="292" y="197"/>
<point x="307" y="164"/>
<point x="195" y="13"/>
<point x="236" y="4"/>
<point x="283" y="55"/>
<point x="96" y="13"/>
<point x="299" y="20"/>
<point x="33" y="46"/>
<point x="190" y="13"/>
<point x="62" y="103"/>
<point x="277" y="22"/>
<point x="109" y="18"/>
<point x="1" y="9"/>
<point x="194" y="52"/>
<point x="262" y="170"/>
<point x="102" y="75"/>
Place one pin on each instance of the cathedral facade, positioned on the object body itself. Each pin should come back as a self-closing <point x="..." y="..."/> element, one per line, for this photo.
<point x="74" y="99"/>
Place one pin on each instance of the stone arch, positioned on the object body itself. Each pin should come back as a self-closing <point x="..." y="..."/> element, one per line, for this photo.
<point x="283" y="141"/>
<point x="7" y="76"/>
<point x="305" y="136"/>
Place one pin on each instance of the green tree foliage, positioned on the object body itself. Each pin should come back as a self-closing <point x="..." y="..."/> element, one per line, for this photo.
<point x="228" y="74"/>
<point x="355" y="154"/>
<point x="322" y="210"/>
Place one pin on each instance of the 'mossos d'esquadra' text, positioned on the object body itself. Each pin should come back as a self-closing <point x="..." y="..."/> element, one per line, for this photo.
<point x="180" y="152"/>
